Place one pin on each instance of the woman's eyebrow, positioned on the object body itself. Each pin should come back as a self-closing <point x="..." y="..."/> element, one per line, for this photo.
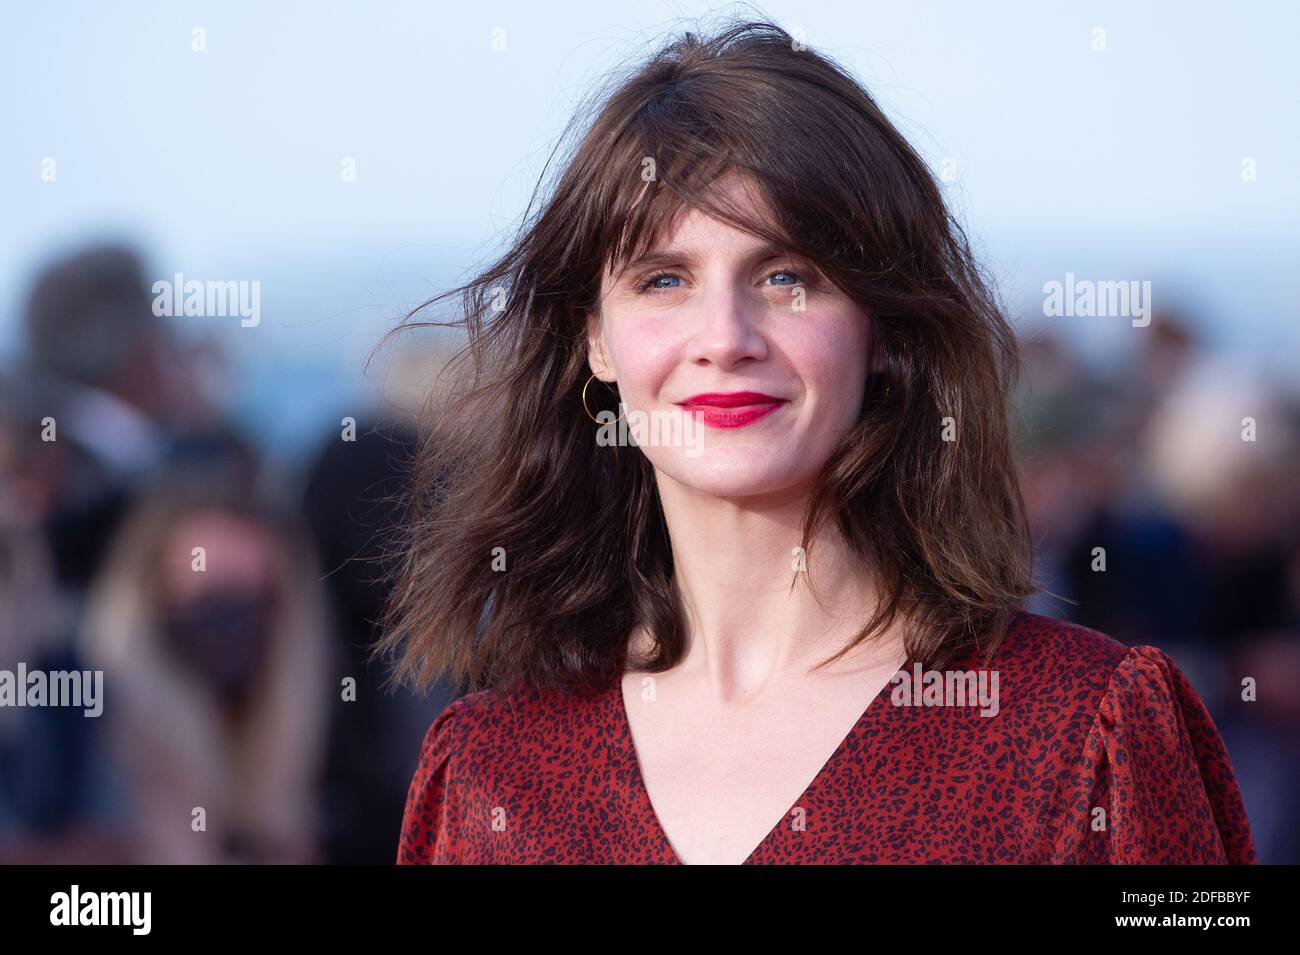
<point x="663" y="257"/>
<point x="659" y="257"/>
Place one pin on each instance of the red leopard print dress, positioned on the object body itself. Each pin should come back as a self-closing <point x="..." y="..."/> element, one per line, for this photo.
<point x="1098" y="753"/>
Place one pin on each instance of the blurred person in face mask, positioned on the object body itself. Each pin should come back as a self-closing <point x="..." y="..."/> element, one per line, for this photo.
<point x="208" y="623"/>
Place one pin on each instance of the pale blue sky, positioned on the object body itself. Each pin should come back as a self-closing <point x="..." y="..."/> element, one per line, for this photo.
<point x="226" y="164"/>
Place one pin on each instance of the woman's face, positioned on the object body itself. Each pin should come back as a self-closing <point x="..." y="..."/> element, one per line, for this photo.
<point x="763" y="355"/>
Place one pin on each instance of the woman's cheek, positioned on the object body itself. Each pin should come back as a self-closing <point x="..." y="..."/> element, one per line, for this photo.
<point x="838" y="342"/>
<point x="644" y="360"/>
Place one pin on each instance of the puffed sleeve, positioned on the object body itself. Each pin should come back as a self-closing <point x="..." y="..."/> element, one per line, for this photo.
<point x="1155" y="765"/>
<point x="424" y="838"/>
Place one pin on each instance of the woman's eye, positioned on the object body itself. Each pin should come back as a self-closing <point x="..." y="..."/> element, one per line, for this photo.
<point x="786" y="274"/>
<point x="652" y="283"/>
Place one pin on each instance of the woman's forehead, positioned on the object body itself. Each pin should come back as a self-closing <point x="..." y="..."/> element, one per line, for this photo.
<point x="678" y="228"/>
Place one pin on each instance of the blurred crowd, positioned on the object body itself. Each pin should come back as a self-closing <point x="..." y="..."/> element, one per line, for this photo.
<point x="243" y="718"/>
<point x="1165" y="509"/>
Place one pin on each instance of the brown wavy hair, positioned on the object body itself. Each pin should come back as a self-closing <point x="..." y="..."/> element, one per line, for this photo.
<point x="514" y="464"/>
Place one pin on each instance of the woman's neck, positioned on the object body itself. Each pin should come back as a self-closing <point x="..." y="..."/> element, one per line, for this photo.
<point x="755" y="613"/>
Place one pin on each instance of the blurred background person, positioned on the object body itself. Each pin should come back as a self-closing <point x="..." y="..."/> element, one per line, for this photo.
<point x="123" y="395"/>
<point x="355" y="503"/>
<point x="207" y="620"/>
<point x="1265" y="737"/>
<point x="58" y="800"/>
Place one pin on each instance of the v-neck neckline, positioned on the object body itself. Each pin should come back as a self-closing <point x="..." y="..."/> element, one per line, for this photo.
<point x="641" y="795"/>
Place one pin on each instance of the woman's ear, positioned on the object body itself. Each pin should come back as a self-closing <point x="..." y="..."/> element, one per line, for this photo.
<point x="597" y="357"/>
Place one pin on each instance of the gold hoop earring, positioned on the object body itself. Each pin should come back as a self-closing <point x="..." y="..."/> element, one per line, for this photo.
<point x="588" y="410"/>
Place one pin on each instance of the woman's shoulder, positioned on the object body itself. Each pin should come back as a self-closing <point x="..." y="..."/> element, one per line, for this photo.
<point x="1057" y="670"/>
<point x="1140" y="742"/>
<point x="1049" y="641"/>
<point x="499" y="726"/>
<point x="1058" y="661"/>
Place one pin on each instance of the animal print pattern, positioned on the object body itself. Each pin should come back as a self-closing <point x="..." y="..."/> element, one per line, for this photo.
<point x="1099" y="753"/>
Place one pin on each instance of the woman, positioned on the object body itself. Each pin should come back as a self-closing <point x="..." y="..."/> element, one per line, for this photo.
<point x="207" y="621"/>
<point x="684" y="649"/>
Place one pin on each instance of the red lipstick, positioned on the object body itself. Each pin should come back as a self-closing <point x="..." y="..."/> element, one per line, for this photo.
<point x="730" y="409"/>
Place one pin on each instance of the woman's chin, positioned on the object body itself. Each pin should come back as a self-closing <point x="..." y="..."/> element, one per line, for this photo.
<point x="737" y="473"/>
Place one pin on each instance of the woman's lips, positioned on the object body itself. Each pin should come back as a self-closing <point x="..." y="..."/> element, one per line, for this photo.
<point x="732" y="409"/>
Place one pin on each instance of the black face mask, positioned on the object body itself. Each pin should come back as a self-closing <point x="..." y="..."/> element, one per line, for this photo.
<point x="223" y="638"/>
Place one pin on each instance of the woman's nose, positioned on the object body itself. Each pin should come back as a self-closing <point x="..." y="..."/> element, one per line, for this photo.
<point x="725" y="326"/>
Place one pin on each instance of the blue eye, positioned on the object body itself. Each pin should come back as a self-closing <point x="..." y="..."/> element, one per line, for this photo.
<point x="794" y="279"/>
<point x="650" y="282"/>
